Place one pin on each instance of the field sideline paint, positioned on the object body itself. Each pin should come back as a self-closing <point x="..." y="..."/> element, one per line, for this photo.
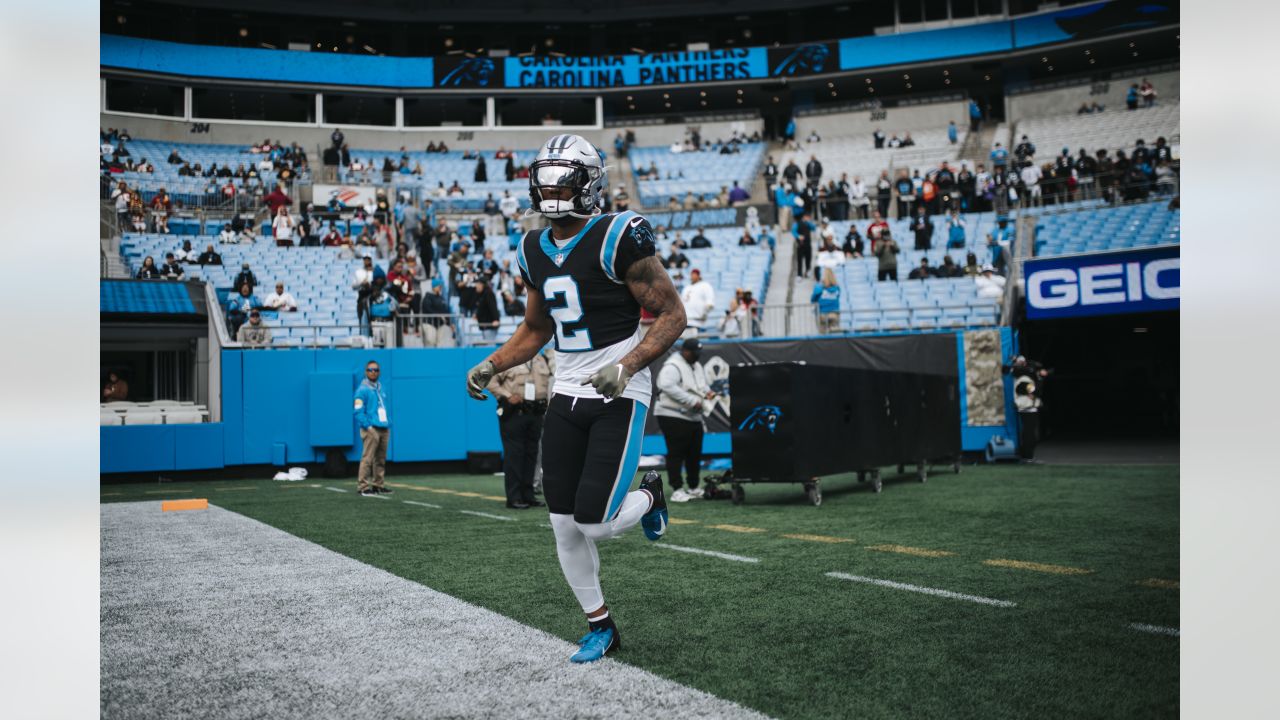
<point x="681" y="521"/>
<point x="1037" y="567"/>
<point x="737" y="528"/>
<point x="191" y="504"/>
<point x="330" y="487"/>
<point x="710" y="553"/>
<point x="816" y="538"/>
<point x="924" y="590"/>
<point x="1160" y="583"/>
<point x="415" y="502"/>
<point x="487" y="515"/>
<point x="1157" y="629"/>
<point x="905" y="550"/>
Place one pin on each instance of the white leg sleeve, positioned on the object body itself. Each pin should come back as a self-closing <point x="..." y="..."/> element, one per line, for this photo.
<point x="578" y="561"/>
<point x="634" y="507"/>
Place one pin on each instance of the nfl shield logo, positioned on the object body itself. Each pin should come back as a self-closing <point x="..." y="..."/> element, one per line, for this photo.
<point x="559" y="259"/>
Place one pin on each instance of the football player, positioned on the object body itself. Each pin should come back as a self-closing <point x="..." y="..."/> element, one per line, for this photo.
<point x="588" y="275"/>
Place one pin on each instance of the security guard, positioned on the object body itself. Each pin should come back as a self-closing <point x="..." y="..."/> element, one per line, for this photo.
<point x="375" y="432"/>
<point x="522" y="394"/>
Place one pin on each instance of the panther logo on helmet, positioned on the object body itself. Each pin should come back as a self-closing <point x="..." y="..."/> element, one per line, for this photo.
<point x="572" y="163"/>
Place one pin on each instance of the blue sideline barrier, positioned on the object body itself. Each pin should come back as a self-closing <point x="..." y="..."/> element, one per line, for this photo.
<point x="295" y="405"/>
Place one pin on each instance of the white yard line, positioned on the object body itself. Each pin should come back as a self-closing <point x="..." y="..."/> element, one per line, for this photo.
<point x="491" y="516"/>
<point x="710" y="553"/>
<point x="1157" y="629"/>
<point x="329" y="487"/>
<point x="924" y="590"/>
<point x="422" y="504"/>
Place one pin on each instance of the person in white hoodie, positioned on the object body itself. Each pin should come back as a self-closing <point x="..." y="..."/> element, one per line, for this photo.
<point x="684" y="395"/>
<point x="698" y="298"/>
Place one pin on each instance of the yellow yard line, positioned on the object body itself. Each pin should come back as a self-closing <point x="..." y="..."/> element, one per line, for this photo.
<point x="1037" y="567"/>
<point x="1160" y="584"/>
<point x="445" y="491"/>
<point x="737" y="528"/>
<point x="494" y="497"/>
<point x="816" y="538"/>
<point x="906" y="550"/>
<point x="466" y="493"/>
<point x="681" y="521"/>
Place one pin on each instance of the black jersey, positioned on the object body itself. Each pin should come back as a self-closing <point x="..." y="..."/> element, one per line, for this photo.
<point x="583" y="281"/>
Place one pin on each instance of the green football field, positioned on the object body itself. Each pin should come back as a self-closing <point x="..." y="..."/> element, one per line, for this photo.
<point x="1028" y="591"/>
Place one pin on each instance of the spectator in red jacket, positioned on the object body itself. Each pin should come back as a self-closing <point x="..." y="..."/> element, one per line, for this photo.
<point x="160" y="208"/>
<point x="277" y="199"/>
<point x="877" y="227"/>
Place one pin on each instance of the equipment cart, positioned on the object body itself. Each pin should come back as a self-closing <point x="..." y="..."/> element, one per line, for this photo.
<point x="794" y="422"/>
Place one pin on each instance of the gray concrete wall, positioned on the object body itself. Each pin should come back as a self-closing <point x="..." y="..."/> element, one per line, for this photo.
<point x="890" y="120"/>
<point x="1064" y="101"/>
<point x="312" y="137"/>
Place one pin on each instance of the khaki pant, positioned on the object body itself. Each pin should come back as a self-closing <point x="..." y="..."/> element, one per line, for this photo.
<point x="829" y="323"/>
<point x="784" y="219"/>
<point x="373" y="462"/>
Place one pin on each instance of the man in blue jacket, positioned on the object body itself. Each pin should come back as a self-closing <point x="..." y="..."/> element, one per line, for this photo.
<point x="375" y="431"/>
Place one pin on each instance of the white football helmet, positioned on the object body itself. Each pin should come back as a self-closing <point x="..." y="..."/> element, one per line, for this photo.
<point x="568" y="161"/>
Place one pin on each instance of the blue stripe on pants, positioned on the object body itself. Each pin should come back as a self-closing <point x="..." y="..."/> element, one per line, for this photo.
<point x="630" y="460"/>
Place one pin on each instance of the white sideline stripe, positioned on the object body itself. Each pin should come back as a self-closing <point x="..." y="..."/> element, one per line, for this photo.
<point x="710" y="553"/>
<point x="925" y="590"/>
<point x="415" y="502"/>
<point x="1159" y="630"/>
<point x="328" y="487"/>
<point x="487" y="515"/>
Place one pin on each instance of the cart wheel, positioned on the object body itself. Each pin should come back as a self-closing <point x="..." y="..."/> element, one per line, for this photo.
<point x="955" y="466"/>
<point x="737" y="494"/>
<point x="922" y="473"/>
<point x="875" y="480"/>
<point x="901" y="468"/>
<point x="814" y="491"/>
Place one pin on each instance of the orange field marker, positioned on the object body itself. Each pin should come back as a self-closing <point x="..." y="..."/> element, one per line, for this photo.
<point x="191" y="504"/>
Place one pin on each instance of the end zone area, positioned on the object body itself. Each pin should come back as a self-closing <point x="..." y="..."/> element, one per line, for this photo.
<point x="1001" y="591"/>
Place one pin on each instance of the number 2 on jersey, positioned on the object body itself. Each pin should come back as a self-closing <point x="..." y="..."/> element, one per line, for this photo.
<point x="565" y="307"/>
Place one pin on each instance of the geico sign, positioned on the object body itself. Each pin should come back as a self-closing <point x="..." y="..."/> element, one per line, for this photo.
<point x="1103" y="284"/>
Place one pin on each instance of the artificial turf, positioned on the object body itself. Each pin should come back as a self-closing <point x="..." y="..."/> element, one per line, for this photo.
<point x="1084" y="552"/>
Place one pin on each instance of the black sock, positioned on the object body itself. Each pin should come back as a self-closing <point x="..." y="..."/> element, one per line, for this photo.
<point x="604" y="623"/>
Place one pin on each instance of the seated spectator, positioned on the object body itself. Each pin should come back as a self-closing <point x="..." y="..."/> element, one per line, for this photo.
<point x="679" y="241"/>
<point x="247" y="236"/>
<point x="239" y="306"/>
<point x="281" y="300"/>
<point x="455" y="190"/>
<point x="1147" y="92"/>
<point x="1131" y="97"/>
<point x="209" y="257"/>
<point x="746" y="238"/>
<point x="677" y="259"/>
<point x="186" y="254"/>
<point x="895" y="141"/>
<point x="948" y="269"/>
<point x="246" y="277"/>
<point x="172" y="269"/>
<point x="830" y="257"/>
<point x="700" y="240"/>
<point x="1084" y="109"/>
<point x="187" y="171"/>
<point x="148" y="271"/>
<point x="813" y="137"/>
<point x="907" y="140"/>
<point x="333" y="238"/>
<point x="853" y="247"/>
<point x="115" y="389"/>
<point x="990" y="285"/>
<point x="971" y="268"/>
<point x="924" y="272"/>
<point x="228" y="235"/>
<point x="253" y="333"/>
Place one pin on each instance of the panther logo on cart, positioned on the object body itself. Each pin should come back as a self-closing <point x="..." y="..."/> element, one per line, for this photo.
<point x="762" y="416"/>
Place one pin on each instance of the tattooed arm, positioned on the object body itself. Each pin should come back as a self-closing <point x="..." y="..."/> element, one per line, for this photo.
<point x="530" y="336"/>
<point x="651" y="286"/>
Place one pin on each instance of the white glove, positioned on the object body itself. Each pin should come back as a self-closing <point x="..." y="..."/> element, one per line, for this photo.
<point x="478" y="378"/>
<point x="609" y="381"/>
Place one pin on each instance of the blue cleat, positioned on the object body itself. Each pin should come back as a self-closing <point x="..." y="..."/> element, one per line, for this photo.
<point x="654" y="522"/>
<point x="596" y="644"/>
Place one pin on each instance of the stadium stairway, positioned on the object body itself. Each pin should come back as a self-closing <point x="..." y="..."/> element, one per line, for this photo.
<point x="977" y="146"/>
